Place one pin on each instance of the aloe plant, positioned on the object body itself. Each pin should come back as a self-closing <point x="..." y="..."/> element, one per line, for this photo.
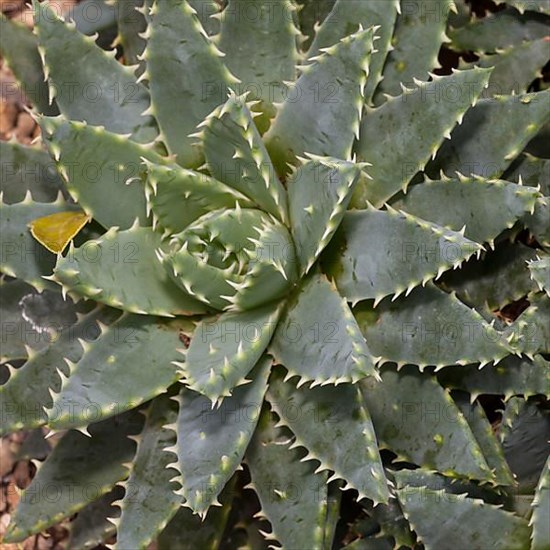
<point x="281" y="261"/>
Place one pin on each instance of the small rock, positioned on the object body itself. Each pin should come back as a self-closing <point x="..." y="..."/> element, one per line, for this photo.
<point x="6" y="457"/>
<point x="8" y="116"/>
<point x="25" y="127"/>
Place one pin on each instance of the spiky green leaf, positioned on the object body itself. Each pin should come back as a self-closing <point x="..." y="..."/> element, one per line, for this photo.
<point x="236" y="155"/>
<point x="420" y="119"/>
<point x="512" y="376"/>
<point x="488" y="442"/>
<point x="322" y="111"/>
<point x="81" y="469"/>
<point x="27" y="391"/>
<point x="430" y="327"/>
<point x="130" y="363"/>
<point x="27" y="169"/>
<point x="530" y="332"/>
<point x="211" y="442"/>
<point x="499" y="30"/>
<point x="97" y="165"/>
<point x="97" y="268"/>
<point x="318" y="338"/>
<point x="492" y="135"/>
<point x="100" y="91"/>
<point x="336" y="429"/>
<point x="418" y="420"/>
<point x="434" y="515"/>
<point x="91" y="526"/>
<point x="224" y="350"/>
<point x="19" y="48"/>
<point x="498" y="278"/>
<point x="484" y="207"/>
<point x="266" y="58"/>
<point x="177" y="196"/>
<point x="293" y="498"/>
<point x="538" y="222"/>
<point x="399" y="253"/>
<point x="418" y="36"/>
<point x="319" y="194"/>
<point x="515" y="68"/>
<point x="345" y="17"/>
<point x="31" y="321"/>
<point x="540" y="272"/>
<point x="192" y="76"/>
<point x="149" y="501"/>
<point x="541" y="511"/>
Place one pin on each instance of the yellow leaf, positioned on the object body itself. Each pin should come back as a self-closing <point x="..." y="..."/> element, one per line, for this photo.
<point x="56" y="231"/>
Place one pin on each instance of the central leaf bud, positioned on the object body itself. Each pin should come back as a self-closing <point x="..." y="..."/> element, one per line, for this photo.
<point x="234" y="259"/>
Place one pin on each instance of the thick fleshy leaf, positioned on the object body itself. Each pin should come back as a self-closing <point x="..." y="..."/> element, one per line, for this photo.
<point x="31" y="321"/>
<point x="312" y="14"/>
<point x="233" y="259"/>
<point x="292" y="497"/>
<point x="417" y="419"/>
<point x="149" y="501"/>
<point x="97" y="269"/>
<point x="391" y="522"/>
<point x="487" y="440"/>
<point x="192" y="77"/>
<point x="81" y="469"/>
<point x="100" y="91"/>
<point x="27" y="169"/>
<point x="532" y="171"/>
<point x="430" y="327"/>
<point x="19" y="48"/>
<point x="207" y="13"/>
<point x="498" y="278"/>
<point x="131" y="23"/>
<point x="27" y="392"/>
<point x="177" y="196"/>
<point x="499" y="30"/>
<point x="512" y="376"/>
<point x="514" y="69"/>
<point x="345" y="17"/>
<point x="97" y="165"/>
<point x="417" y="39"/>
<point x="319" y="194"/>
<point x="130" y="363"/>
<point x="189" y="530"/>
<point x="336" y="429"/>
<point x="434" y="515"/>
<point x="379" y="253"/>
<point x="22" y="256"/>
<point x="318" y="338"/>
<point x="211" y="442"/>
<point x="236" y="155"/>
<point x="530" y="332"/>
<point x="399" y="137"/>
<point x="492" y="135"/>
<point x="527" y="5"/>
<point x="224" y="350"/>
<point x="538" y="223"/>
<point x="525" y="435"/>
<point x="485" y="207"/>
<point x="322" y="112"/>
<point x="540" y="272"/>
<point x="265" y="60"/>
<point x="541" y="511"/>
<point x="91" y="526"/>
